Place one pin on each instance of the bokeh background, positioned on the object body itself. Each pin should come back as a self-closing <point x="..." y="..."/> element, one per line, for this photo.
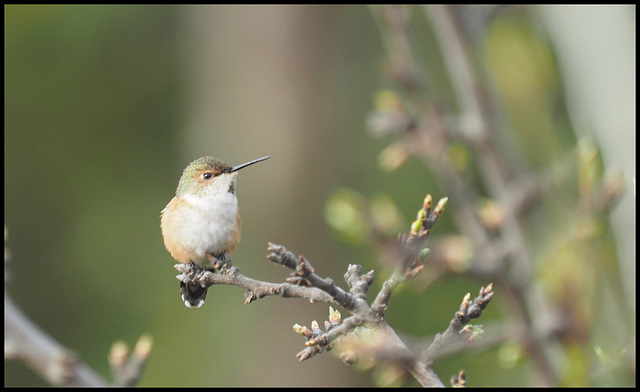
<point x="105" y="105"/>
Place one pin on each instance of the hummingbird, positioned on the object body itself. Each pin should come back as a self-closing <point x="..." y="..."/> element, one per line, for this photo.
<point x="203" y="219"/>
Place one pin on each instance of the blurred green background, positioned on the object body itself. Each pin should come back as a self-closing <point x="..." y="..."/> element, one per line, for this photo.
<point x="104" y="107"/>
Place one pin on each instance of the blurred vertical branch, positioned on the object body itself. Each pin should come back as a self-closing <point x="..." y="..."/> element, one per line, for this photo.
<point x="491" y="207"/>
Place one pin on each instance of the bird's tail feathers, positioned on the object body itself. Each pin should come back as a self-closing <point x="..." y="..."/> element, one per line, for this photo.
<point x="193" y="295"/>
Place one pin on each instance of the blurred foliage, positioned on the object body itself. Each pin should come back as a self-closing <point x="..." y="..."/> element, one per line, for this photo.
<point x="95" y="114"/>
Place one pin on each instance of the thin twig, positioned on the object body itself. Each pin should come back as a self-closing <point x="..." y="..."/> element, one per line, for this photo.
<point x="256" y="289"/>
<point x="468" y="310"/>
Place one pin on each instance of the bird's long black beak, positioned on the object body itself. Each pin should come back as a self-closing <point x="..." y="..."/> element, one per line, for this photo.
<point x="243" y="165"/>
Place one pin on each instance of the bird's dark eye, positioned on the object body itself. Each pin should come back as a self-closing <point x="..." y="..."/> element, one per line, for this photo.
<point x="206" y="176"/>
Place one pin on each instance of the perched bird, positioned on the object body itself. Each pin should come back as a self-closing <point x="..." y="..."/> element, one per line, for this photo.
<point x="203" y="219"/>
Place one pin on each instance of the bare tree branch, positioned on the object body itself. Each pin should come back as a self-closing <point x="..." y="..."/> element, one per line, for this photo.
<point x="54" y="363"/>
<point x="304" y="283"/>
<point x="58" y="365"/>
<point x="468" y="311"/>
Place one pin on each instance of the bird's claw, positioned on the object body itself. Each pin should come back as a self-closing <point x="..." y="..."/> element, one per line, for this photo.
<point x="221" y="262"/>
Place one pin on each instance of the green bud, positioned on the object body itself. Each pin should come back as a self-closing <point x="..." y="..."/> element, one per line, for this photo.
<point x="422" y="215"/>
<point x="442" y="204"/>
<point x="424" y="253"/>
<point x="428" y="200"/>
<point x="415" y="227"/>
